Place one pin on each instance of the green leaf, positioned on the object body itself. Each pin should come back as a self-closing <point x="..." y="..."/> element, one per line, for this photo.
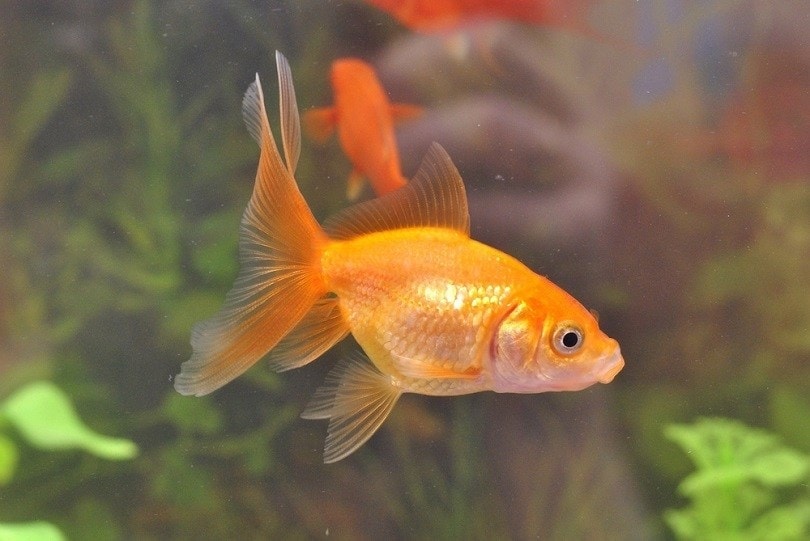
<point x="44" y="416"/>
<point x="9" y="456"/>
<point x="30" y="531"/>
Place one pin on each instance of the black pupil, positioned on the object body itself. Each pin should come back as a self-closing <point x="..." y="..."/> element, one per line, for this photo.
<point x="570" y="339"/>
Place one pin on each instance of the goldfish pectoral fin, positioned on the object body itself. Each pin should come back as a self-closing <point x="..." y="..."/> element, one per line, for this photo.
<point x="356" y="398"/>
<point x="434" y="198"/>
<point x="320" y="123"/>
<point x="405" y="111"/>
<point x="322" y="327"/>
<point x="288" y="110"/>
<point x="411" y="368"/>
<point x="354" y="186"/>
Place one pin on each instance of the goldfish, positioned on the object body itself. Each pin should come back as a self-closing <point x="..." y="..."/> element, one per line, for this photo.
<point x="437" y="15"/>
<point x="435" y="312"/>
<point x="364" y="119"/>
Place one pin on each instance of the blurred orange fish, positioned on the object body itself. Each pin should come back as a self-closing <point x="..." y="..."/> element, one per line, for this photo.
<point x="365" y="124"/>
<point x="437" y="15"/>
<point x="436" y="312"/>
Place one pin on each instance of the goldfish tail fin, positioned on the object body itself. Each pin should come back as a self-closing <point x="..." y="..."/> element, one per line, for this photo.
<point x="356" y="398"/>
<point x="320" y="123"/>
<point x="280" y="245"/>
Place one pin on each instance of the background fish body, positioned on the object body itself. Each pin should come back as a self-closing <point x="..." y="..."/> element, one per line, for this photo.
<point x="364" y="119"/>
<point x="365" y="124"/>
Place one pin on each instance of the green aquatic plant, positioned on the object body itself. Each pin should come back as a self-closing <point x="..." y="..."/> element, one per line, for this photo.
<point x="45" y="418"/>
<point x="31" y="531"/>
<point x="747" y="486"/>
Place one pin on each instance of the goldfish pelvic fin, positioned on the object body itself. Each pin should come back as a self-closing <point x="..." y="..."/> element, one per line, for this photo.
<point x="411" y="368"/>
<point x="434" y="198"/>
<point x="288" y="114"/>
<point x="356" y="398"/>
<point x="322" y="328"/>
<point x="405" y="111"/>
<point x="320" y="123"/>
<point x="355" y="185"/>
<point x="279" y="278"/>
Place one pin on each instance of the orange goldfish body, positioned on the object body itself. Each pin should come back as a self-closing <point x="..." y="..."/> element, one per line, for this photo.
<point x="437" y="15"/>
<point x="364" y="119"/>
<point x="436" y="312"/>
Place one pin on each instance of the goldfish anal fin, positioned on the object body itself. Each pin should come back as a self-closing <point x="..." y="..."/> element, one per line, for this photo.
<point x="356" y="398"/>
<point x="320" y="123"/>
<point x="434" y="198"/>
<point x="279" y="278"/>
<point x="322" y="327"/>
<point x="288" y="110"/>
<point x="405" y="111"/>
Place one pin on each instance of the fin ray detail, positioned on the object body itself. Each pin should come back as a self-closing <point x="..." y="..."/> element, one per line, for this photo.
<point x="356" y="398"/>
<point x="279" y="278"/>
<point x="434" y="198"/>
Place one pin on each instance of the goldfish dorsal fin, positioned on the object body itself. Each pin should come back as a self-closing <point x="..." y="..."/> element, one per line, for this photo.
<point x="434" y="198"/>
<point x="288" y="109"/>
<point x="356" y="398"/>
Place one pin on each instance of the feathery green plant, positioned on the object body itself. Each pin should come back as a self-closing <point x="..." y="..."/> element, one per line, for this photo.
<point x="747" y="486"/>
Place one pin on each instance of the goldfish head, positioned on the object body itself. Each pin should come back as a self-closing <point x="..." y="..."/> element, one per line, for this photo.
<point x="551" y="346"/>
<point x="352" y="72"/>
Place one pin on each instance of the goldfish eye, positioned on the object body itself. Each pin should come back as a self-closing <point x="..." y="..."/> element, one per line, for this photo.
<point x="567" y="339"/>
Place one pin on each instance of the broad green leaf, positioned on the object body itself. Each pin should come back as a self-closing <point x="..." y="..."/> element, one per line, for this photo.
<point x="30" y="531"/>
<point x="8" y="459"/>
<point x="44" y="416"/>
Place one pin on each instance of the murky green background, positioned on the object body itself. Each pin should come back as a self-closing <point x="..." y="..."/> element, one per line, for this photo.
<point x="658" y="169"/>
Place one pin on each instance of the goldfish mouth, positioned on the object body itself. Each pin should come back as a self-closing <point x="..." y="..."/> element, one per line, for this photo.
<point x="611" y="365"/>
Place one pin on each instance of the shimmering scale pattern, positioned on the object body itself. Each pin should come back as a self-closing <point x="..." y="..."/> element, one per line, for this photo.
<point x="424" y="299"/>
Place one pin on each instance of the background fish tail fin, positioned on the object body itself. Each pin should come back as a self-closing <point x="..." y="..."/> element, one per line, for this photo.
<point x="356" y="398"/>
<point x="355" y="185"/>
<point x="279" y="281"/>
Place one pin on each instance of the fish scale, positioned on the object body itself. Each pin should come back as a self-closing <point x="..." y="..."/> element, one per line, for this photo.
<point x="423" y="296"/>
